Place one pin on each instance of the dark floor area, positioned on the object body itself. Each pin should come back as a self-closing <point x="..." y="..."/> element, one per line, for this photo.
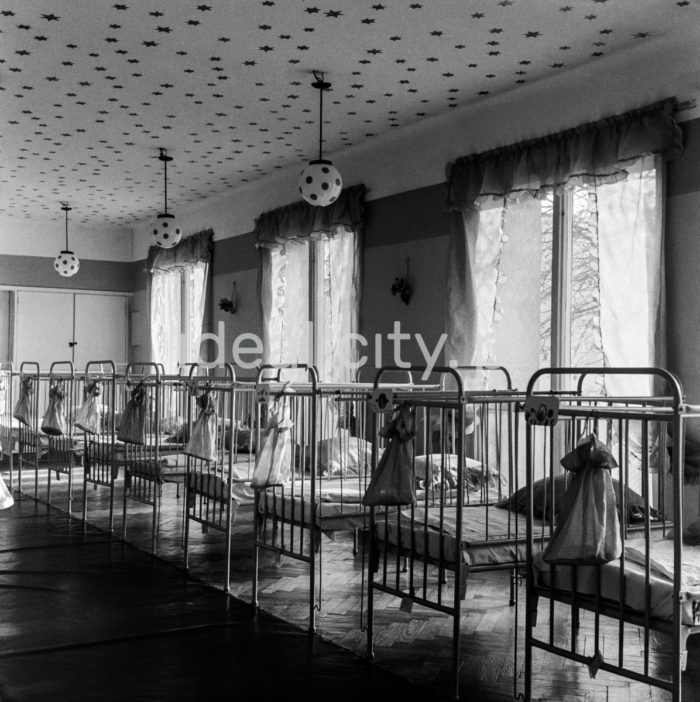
<point x="89" y="617"/>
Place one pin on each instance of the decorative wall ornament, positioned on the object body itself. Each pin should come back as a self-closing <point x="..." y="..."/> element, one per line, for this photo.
<point x="320" y="182"/>
<point x="66" y="263"/>
<point x="230" y="305"/>
<point x="402" y="287"/>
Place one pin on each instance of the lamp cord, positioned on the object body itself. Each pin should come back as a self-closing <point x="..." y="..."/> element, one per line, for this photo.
<point x="320" y="125"/>
<point x="165" y="183"/>
<point x="66" y="209"/>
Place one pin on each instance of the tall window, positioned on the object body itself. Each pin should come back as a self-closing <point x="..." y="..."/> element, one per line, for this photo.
<point x="572" y="277"/>
<point x="312" y="316"/>
<point x="559" y="260"/>
<point x="177" y="311"/>
<point x="178" y="296"/>
<point x="310" y="260"/>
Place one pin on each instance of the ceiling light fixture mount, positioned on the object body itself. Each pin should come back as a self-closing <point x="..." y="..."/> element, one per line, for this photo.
<point x="66" y="263"/>
<point x="166" y="231"/>
<point x="320" y="182"/>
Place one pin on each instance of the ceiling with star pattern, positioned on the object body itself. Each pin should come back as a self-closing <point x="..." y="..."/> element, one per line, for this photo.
<point x="91" y="90"/>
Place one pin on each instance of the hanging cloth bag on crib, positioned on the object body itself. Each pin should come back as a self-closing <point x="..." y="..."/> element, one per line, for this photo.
<point x="54" y="420"/>
<point x="202" y="443"/>
<point x="393" y="480"/>
<point x="87" y="417"/>
<point x="23" y="407"/>
<point x="273" y="463"/>
<point x="132" y="428"/>
<point x="588" y="525"/>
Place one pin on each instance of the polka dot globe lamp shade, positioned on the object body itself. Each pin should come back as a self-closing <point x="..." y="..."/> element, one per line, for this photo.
<point x="166" y="231"/>
<point x="66" y="264"/>
<point x="320" y="183"/>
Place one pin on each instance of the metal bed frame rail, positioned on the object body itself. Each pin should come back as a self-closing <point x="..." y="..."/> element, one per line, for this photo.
<point x="472" y="460"/>
<point x="209" y="484"/>
<point x="636" y="429"/>
<point x="100" y="463"/>
<point x="277" y="527"/>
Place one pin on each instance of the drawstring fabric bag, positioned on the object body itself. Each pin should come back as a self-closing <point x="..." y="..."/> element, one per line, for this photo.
<point x="273" y="463"/>
<point x="23" y="407"/>
<point x="54" y="420"/>
<point x="132" y="429"/>
<point x="393" y="480"/>
<point x="202" y="443"/>
<point x="87" y="417"/>
<point x="588" y="525"/>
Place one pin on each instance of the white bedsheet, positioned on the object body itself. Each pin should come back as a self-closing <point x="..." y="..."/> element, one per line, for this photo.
<point x="490" y="535"/>
<point x="660" y="580"/>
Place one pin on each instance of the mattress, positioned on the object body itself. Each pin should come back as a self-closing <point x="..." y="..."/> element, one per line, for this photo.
<point x="490" y="536"/>
<point x="171" y="465"/>
<point x="660" y="580"/>
<point x="338" y="501"/>
<point x="16" y="434"/>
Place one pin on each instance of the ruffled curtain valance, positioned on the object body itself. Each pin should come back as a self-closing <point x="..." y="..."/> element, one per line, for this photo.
<point x="192" y="249"/>
<point x="591" y="154"/>
<point x="301" y="221"/>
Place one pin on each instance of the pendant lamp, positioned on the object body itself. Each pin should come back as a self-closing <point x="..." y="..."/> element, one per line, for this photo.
<point x="320" y="182"/>
<point x="66" y="263"/>
<point x="166" y="231"/>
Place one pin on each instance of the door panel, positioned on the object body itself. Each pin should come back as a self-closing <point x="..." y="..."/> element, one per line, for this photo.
<point x="101" y="330"/>
<point x="43" y="327"/>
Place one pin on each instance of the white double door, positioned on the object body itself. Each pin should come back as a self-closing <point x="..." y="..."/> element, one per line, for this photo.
<point x="69" y="326"/>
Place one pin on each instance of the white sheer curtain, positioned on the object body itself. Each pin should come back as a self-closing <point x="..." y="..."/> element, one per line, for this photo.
<point x="631" y="256"/>
<point x="286" y="316"/>
<point x="178" y="295"/>
<point x="338" y="308"/>
<point x="310" y="310"/>
<point x="613" y="284"/>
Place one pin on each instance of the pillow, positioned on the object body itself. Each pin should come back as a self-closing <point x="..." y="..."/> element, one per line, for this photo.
<point x="244" y="440"/>
<point x="517" y="502"/>
<point x="691" y="533"/>
<point x="428" y="469"/>
<point x="180" y="435"/>
<point x="344" y="455"/>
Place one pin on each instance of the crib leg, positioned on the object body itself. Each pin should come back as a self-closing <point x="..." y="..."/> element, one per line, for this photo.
<point x="685" y="632"/>
<point x="374" y="557"/>
<point x="533" y="609"/>
<point x="464" y="568"/>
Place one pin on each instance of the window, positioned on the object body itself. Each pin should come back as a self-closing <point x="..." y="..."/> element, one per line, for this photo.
<point x="311" y="313"/>
<point x="178" y="295"/>
<point x="177" y="311"/>
<point x="310" y="261"/>
<point x="571" y="278"/>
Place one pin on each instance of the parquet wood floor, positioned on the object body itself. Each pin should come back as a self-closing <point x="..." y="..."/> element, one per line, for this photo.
<point x="415" y="645"/>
